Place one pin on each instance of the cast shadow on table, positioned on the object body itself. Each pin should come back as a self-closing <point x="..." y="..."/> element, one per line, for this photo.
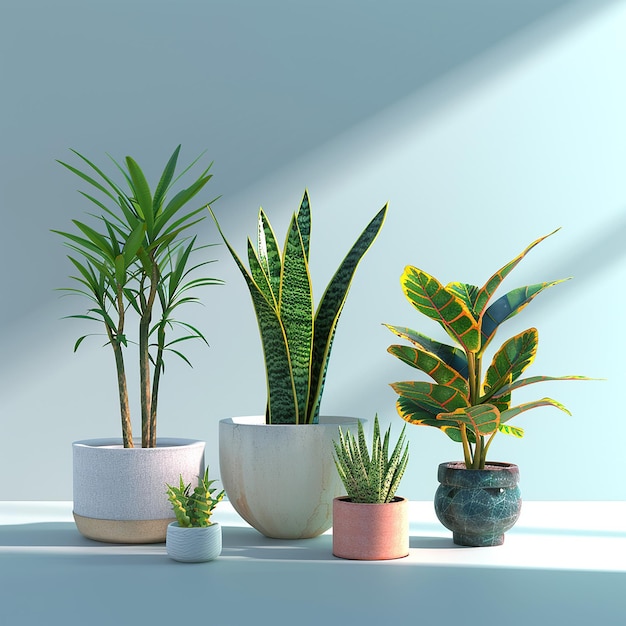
<point x="237" y="541"/>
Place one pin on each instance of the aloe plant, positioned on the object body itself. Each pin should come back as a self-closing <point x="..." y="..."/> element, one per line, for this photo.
<point x="194" y="509"/>
<point x="296" y="339"/>
<point x="470" y="409"/>
<point x="136" y="258"/>
<point x="370" y="478"/>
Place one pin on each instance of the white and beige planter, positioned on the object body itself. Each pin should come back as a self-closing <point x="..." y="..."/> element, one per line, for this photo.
<point x="280" y="478"/>
<point x="194" y="545"/>
<point x="120" y="493"/>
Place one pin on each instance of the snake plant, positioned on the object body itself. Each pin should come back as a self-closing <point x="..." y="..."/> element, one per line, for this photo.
<point x="135" y="258"/>
<point x="296" y="339"/>
<point x="194" y="509"/>
<point x="470" y="409"/>
<point x="370" y="478"/>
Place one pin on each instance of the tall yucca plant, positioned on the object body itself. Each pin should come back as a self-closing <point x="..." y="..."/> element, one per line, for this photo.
<point x="296" y="339"/>
<point x="136" y="258"/>
<point x="470" y="409"/>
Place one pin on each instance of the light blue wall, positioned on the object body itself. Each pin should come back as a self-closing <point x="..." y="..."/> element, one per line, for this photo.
<point x="484" y="124"/>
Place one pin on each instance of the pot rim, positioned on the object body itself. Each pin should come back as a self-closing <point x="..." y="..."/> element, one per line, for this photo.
<point x="115" y="443"/>
<point x="396" y="500"/>
<point x="254" y="421"/>
<point x="195" y="528"/>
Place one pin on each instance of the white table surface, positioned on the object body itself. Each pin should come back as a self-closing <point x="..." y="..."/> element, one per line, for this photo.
<point x="563" y="563"/>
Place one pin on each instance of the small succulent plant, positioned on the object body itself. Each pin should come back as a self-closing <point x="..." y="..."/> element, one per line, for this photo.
<point x="370" y="479"/>
<point x="194" y="509"/>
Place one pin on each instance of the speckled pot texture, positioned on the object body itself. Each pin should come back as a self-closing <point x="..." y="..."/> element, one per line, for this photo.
<point x="478" y="506"/>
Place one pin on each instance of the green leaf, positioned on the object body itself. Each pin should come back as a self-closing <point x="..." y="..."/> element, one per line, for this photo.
<point x="427" y="362"/>
<point x="282" y="405"/>
<point x="433" y="398"/>
<point x="304" y="223"/>
<point x="483" y="419"/>
<point x="508" y="363"/>
<point x="142" y="194"/>
<point x="101" y="243"/>
<point x="133" y="243"/>
<point x="489" y="288"/>
<point x="452" y="356"/>
<point x="523" y="382"/>
<point x="296" y="314"/>
<point x="269" y="255"/>
<point x="511" y="430"/>
<point x="509" y="305"/>
<point x="120" y="270"/>
<point x="330" y="308"/>
<point x="527" y="406"/>
<point x="165" y="180"/>
<point x="432" y="299"/>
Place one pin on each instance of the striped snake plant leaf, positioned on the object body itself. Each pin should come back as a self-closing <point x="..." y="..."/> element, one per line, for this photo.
<point x="330" y="308"/>
<point x="430" y="364"/>
<point x="444" y="306"/>
<point x="269" y="254"/>
<point x="490" y="287"/>
<point x="261" y="278"/>
<point x="282" y="403"/>
<point x="507" y="306"/>
<point x="296" y="314"/>
<point x="452" y="356"/>
<point x="304" y="223"/>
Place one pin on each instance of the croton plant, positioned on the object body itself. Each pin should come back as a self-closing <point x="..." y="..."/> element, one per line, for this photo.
<point x="469" y="408"/>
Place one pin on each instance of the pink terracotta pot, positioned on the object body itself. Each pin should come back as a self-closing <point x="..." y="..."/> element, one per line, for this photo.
<point x="370" y="532"/>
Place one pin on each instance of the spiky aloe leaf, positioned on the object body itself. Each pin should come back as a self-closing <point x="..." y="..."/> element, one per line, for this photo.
<point x="330" y="308"/>
<point x="445" y="306"/>
<point x="427" y="362"/>
<point x="490" y="287"/>
<point x="507" y="306"/>
<point x="296" y="314"/>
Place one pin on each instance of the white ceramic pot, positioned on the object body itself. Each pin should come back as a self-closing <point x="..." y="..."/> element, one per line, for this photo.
<point x="120" y="493"/>
<point x="281" y="478"/>
<point x="194" y="545"/>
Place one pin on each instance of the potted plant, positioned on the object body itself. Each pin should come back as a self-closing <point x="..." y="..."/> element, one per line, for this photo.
<point x="193" y="538"/>
<point x="277" y="469"/>
<point x="477" y="500"/>
<point x="135" y="265"/>
<point x="371" y="522"/>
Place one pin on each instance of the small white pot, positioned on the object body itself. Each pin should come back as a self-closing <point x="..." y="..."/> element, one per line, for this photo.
<point x="281" y="478"/>
<point x="120" y="494"/>
<point x="194" y="545"/>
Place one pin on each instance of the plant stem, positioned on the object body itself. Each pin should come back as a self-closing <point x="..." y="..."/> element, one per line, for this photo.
<point x="148" y="430"/>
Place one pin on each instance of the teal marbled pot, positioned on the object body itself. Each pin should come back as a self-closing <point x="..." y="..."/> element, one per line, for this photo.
<point x="478" y="506"/>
